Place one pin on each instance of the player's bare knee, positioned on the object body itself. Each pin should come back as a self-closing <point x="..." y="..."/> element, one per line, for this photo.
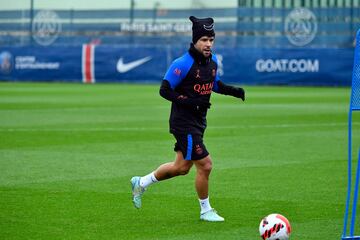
<point x="183" y="170"/>
<point x="206" y="166"/>
<point x="180" y="169"/>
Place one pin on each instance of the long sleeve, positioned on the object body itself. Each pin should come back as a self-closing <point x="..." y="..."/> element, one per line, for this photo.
<point x="167" y="92"/>
<point x="222" y="88"/>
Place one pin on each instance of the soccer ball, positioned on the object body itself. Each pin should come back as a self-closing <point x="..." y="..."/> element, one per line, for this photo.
<point x="275" y="227"/>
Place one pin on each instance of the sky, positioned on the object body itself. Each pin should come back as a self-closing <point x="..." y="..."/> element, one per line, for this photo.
<point x="113" y="4"/>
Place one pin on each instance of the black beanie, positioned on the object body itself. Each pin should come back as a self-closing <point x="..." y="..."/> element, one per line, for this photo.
<point x="202" y="27"/>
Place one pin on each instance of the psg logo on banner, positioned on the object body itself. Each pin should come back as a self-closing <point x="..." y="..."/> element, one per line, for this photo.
<point x="300" y="26"/>
<point x="46" y="27"/>
<point x="6" y="62"/>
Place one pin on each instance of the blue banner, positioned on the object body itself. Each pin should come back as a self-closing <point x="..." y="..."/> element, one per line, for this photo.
<point x="40" y="63"/>
<point x="118" y="63"/>
<point x="104" y="63"/>
<point x="319" y="67"/>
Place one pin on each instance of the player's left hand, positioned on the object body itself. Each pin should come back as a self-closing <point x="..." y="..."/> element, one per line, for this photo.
<point x="239" y="93"/>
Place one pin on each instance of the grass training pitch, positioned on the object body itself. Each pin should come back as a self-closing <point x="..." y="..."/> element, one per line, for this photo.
<point x="68" y="151"/>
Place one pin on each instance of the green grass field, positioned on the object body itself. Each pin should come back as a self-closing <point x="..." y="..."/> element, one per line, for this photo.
<point x="68" y="151"/>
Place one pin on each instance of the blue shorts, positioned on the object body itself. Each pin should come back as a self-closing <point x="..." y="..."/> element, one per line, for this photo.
<point x="191" y="146"/>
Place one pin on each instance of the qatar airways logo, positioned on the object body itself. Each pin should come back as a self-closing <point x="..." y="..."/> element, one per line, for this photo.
<point x="204" y="89"/>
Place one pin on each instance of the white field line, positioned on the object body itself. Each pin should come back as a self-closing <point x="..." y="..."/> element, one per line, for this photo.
<point x="121" y="129"/>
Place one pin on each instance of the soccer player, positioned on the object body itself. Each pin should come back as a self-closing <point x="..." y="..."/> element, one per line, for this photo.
<point x="188" y="84"/>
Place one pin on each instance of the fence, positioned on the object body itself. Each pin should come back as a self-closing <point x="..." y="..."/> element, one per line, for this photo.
<point x="264" y="27"/>
<point x="255" y="44"/>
